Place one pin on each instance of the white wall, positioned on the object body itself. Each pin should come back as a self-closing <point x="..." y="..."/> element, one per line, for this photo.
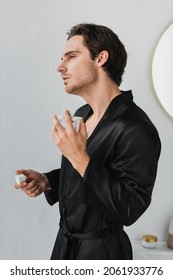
<point x="32" y="36"/>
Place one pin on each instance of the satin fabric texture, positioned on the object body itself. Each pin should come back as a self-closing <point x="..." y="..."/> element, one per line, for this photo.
<point x="116" y="188"/>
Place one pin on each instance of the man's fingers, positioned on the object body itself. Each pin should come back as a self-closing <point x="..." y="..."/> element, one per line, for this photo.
<point x="29" y="186"/>
<point x="68" y="120"/>
<point x="21" y="185"/>
<point x="26" y="172"/>
<point x="55" y="120"/>
<point x="32" y="190"/>
<point x="56" y="123"/>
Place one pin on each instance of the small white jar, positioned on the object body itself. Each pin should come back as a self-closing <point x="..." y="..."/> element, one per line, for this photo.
<point x="20" y="178"/>
<point x="149" y="241"/>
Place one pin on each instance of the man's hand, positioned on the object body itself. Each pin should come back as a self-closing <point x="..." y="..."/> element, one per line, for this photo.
<point x="35" y="184"/>
<point x="72" y="144"/>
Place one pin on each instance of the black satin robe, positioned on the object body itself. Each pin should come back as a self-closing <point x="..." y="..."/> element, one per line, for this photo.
<point x="116" y="188"/>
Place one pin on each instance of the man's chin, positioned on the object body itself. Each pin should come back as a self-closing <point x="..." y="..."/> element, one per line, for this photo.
<point x="70" y="91"/>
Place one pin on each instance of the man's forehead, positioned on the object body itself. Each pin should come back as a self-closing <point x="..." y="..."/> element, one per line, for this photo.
<point x="75" y="43"/>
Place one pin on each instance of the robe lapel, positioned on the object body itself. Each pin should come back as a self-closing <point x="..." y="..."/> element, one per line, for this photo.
<point x="115" y="110"/>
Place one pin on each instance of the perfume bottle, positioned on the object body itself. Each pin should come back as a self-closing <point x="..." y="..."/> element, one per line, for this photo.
<point x="170" y="235"/>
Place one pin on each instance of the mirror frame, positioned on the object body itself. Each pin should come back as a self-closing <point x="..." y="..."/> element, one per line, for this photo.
<point x="151" y="69"/>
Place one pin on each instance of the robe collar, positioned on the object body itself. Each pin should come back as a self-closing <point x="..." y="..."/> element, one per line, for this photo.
<point x="112" y="109"/>
<point x="116" y="107"/>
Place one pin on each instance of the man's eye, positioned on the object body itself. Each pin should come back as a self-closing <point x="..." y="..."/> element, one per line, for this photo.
<point x="72" y="56"/>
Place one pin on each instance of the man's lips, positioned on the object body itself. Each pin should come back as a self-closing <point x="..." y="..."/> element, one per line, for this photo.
<point x="65" y="78"/>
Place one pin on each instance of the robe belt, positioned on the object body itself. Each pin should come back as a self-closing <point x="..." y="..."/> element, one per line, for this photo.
<point x="103" y="233"/>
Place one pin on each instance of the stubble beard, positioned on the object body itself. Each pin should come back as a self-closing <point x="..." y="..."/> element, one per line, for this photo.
<point x="84" y="83"/>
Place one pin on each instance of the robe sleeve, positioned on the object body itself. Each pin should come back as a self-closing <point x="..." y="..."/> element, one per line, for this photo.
<point x="52" y="195"/>
<point x="122" y="190"/>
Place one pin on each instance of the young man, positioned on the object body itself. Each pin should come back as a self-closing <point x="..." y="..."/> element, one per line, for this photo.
<point x="109" y="166"/>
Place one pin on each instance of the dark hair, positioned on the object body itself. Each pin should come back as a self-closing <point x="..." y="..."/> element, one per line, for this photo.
<point x="98" y="38"/>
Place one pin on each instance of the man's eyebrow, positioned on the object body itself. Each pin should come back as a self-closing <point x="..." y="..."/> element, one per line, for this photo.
<point x="68" y="53"/>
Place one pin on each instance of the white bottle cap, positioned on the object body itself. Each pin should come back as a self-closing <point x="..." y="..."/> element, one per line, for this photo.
<point x="20" y="178"/>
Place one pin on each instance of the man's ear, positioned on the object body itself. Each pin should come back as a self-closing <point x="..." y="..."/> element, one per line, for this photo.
<point x="102" y="58"/>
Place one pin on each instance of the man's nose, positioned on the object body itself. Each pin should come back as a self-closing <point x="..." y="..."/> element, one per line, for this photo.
<point x="61" y="67"/>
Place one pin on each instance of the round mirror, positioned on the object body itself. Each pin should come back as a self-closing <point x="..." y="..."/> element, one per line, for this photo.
<point x="162" y="70"/>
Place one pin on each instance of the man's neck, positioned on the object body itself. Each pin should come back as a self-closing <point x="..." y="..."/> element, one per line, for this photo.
<point x="100" y="97"/>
